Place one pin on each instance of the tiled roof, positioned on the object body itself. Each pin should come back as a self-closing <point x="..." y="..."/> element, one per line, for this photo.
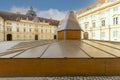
<point x="18" y="17"/>
<point x="91" y="6"/>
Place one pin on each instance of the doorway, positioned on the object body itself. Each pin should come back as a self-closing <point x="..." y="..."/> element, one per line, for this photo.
<point x="86" y="35"/>
<point x="55" y="37"/>
<point x="36" y="37"/>
<point x="9" y="37"/>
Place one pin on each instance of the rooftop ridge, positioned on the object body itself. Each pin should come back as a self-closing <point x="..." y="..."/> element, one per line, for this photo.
<point x="14" y="16"/>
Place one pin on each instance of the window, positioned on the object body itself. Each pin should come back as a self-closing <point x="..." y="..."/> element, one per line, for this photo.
<point x="41" y="31"/>
<point x="112" y="0"/>
<point x="30" y="30"/>
<point x="103" y="34"/>
<point x="93" y="34"/>
<point x="93" y="16"/>
<point x="86" y="26"/>
<point x="94" y="24"/>
<point x="86" y="18"/>
<point x="30" y="25"/>
<point x="115" y="9"/>
<point x="103" y="13"/>
<point x="9" y="29"/>
<point x="115" y="33"/>
<point x="18" y="24"/>
<point x="9" y="23"/>
<point x="115" y="20"/>
<point x="17" y="29"/>
<point x="103" y="23"/>
<point x="24" y="30"/>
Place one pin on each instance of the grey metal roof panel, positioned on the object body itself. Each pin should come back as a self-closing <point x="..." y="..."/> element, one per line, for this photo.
<point x="70" y="22"/>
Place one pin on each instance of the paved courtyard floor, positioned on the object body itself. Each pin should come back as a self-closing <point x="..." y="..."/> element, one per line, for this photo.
<point x="62" y="49"/>
<point x="8" y="44"/>
<point x="66" y="78"/>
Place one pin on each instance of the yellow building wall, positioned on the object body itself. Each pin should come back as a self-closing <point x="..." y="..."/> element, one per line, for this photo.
<point x="97" y="14"/>
<point x="43" y="30"/>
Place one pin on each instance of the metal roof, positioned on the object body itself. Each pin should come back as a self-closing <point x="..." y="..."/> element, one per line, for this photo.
<point x="63" y="49"/>
<point x="18" y="17"/>
<point x="70" y="22"/>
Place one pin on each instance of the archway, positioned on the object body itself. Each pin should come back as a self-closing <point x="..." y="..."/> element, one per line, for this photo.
<point x="9" y="37"/>
<point x="36" y="37"/>
<point x="86" y="35"/>
<point x="55" y="37"/>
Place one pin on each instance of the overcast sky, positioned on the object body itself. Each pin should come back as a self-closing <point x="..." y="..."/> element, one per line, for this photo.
<point x="55" y="9"/>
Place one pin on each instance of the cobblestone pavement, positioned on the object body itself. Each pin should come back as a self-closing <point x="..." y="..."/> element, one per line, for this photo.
<point x="65" y="78"/>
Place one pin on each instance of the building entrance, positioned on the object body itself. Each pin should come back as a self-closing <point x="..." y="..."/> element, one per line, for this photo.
<point x="9" y="37"/>
<point x="86" y="35"/>
<point x="36" y="37"/>
<point x="55" y="37"/>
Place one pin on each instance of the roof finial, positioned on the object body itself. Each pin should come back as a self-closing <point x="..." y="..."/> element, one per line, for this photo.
<point x="31" y="8"/>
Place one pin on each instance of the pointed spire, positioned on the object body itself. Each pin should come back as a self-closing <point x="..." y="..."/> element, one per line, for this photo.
<point x="70" y="22"/>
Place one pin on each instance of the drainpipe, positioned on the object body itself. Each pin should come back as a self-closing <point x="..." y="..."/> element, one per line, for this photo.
<point x="4" y="29"/>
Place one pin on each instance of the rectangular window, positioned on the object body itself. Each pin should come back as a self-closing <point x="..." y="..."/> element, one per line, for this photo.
<point x="17" y="29"/>
<point x="9" y="23"/>
<point x="94" y="24"/>
<point x="30" y="30"/>
<point x="41" y="31"/>
<point x="115" y="20"/>
<point x="115" y="9"/>
<point x="103" y="23"/>
<point x="93" y="34"/>
<point x="24" y="30"/>
<point x="103" y="34"/>
<point x="103" y="13"/>
<point x="9" y="29"/>
<point x="112" y="0"/>
<point x="115" y="33"/>
<point x="86" y="26"/>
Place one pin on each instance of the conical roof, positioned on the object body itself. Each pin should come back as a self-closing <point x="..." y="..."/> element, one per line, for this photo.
<point x="70" y="22"/>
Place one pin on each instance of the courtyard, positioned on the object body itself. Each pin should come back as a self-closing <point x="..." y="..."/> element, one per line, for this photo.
<point x="61" y="49"/>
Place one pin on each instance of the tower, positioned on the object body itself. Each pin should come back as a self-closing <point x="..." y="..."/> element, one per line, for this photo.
<point x="31" y="12"/>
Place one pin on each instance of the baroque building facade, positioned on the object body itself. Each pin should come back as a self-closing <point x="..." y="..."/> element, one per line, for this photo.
<point x="101" y="20"/>
<point x="15" y="26"/>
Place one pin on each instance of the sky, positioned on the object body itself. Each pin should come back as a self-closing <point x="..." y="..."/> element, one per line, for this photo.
<point x="55" y="9"/>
